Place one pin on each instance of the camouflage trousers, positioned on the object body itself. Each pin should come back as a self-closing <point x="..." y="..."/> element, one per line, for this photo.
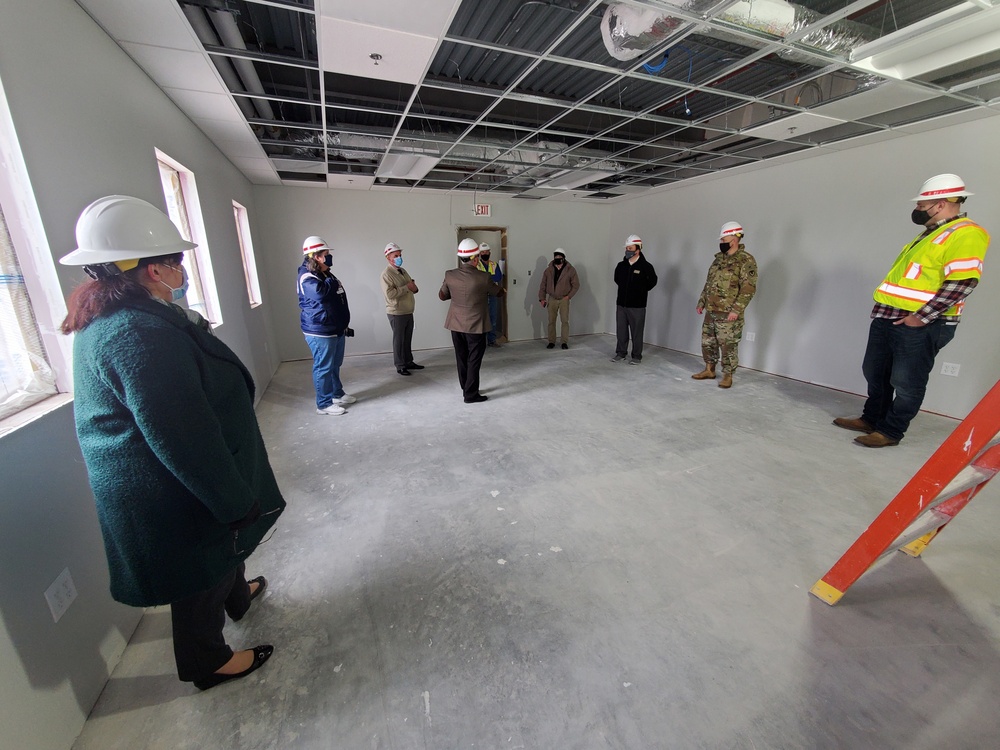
<point x="719" y="334"/>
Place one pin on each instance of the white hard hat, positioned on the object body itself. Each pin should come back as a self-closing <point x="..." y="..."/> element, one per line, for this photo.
<point x="467" y="248"/>
<point x="392" y="247"/>
<point x="943" y="186"/>
<point x="633" y="239"/>
<point x="313" y="244"/>
<point x="484" y="247"/>
<point x="730" y="228"/>
<point x="120" y="229"/>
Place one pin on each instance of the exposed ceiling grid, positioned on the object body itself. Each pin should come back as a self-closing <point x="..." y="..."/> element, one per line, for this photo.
<point x="555" y="99"/>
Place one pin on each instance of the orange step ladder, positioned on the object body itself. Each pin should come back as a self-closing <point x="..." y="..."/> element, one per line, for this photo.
<point x="966" y="461"/>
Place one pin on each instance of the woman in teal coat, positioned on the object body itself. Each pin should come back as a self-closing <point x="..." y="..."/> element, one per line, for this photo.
<point x="164" y="415"/>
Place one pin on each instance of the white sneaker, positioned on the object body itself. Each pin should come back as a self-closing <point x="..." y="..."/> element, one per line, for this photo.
<point x="345" y="399"/>
<point x="333" y="410"/>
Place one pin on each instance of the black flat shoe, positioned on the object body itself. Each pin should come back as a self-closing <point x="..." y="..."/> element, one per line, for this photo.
<point x="260" y="589"/>
<point x="565" y="346"/>
<point x="550" y="346"/>
<point x="477" y="399"/>
<point x="260" y="655"/>
<point x="403" y="371"/>
<point x="414" y="366"/>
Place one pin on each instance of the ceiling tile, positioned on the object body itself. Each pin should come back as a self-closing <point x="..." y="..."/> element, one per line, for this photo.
<point x="178" y="69"/>
<point x="792" y="126"/>
<point x="349" y="182"/>
<point x="345" y="48"/>
<point x="891" y="95"/>
<point x="222" y="130"/>
<point x="205" y="104"/>
<point x="428" y="17"/>
<point x="160" y="23"/>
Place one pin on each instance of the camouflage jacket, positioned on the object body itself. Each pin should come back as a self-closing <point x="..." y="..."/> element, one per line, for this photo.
<point x="731" y="283"/>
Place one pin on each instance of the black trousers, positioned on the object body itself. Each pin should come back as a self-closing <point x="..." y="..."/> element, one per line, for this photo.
<point x="630" y="320"/>
<point x="469" y="351"/>
<point x="199" y="646"/>
<point x="402" y="338"/>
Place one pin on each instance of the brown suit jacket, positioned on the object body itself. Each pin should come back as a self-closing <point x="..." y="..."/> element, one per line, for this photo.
<point x="468" y="288"/>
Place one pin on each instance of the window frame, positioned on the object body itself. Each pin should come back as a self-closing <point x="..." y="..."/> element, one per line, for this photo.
<point x="198" y="262"/>
<point x="245" y="240"/>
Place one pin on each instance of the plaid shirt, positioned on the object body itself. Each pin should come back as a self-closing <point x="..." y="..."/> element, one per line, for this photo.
<point x="948" y="295"/>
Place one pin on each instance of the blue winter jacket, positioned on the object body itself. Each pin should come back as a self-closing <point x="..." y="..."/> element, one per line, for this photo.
<point x="323" y="302"/>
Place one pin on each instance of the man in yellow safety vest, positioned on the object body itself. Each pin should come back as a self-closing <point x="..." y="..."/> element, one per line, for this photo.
<point x="917" y="308"/>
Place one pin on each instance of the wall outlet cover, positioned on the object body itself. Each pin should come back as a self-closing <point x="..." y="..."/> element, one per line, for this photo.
<point x="60" y="594"/>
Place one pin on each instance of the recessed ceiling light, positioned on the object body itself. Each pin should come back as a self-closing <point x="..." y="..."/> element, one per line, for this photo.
<point x="375" y="56"/>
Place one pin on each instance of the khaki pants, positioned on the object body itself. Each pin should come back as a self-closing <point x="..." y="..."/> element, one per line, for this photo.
<point x="558" y="307"/>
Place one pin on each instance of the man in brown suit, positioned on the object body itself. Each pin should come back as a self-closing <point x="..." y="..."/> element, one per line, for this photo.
<point x="468" y="317"/>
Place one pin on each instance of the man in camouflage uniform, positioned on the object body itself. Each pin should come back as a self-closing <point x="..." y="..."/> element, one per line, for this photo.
<point x="731" y="283"/>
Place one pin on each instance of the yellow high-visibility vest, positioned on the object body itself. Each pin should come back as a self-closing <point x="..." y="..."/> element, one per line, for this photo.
<point x="952" y="252"/>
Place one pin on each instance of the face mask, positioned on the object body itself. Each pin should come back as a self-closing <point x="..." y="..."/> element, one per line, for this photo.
<point x="176" y="295"/>
<point x="328" y="260"/>
<point x="485" y="256"/>
<point x="398" y="261"/>
<point x="631" y="254"/>
<point x="558" y="261"/>
<point x="724" y="247"/>
<point x="921" y="217"/>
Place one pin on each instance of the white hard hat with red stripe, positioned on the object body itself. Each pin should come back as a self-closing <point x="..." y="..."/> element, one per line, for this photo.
<point x="730" y="228"/>
<point x="467" y="248"/>
<point x="633" y="239"/>
<point x="391" y="248"/>
<point x="943" y="186"/>
<point x="313" y="244"/>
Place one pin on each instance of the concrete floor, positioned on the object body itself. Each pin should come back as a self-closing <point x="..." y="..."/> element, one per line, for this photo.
<point x="601" y="556"/>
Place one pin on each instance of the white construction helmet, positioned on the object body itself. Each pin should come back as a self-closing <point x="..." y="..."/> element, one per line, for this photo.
<point x="467" y="248"/>
<point x="484" y="247"/>
<point x="392" y="247"/>
<point x="633" y="239"/>
<point x="113" y="233"/>
<point x="943" y="186"/>
<point x="730" y="228"/>
<point x="313" y="244"/>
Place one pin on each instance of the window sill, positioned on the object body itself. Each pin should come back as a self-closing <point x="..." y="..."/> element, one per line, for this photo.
<point x="33" y="412"/>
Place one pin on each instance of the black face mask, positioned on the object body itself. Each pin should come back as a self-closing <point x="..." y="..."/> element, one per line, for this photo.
<point x="484" y="256"/>
<point x="558" y="262"/>
<point x="724" y="247"/>
<point x="921" y="217"/>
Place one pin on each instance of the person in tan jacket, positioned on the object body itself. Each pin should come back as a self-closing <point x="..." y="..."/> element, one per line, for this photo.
<point x="559" y="285"/>
<point x="398" y="289"/>
<point x="468" y="316"/>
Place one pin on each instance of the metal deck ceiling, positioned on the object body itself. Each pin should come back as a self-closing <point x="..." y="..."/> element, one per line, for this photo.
<point x="522" y="97"/>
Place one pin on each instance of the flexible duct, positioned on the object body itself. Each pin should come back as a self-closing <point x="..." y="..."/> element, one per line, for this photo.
<point x="629" y="32"/>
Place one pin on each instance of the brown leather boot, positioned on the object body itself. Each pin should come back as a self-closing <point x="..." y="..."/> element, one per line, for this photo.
<point x="875" y="440"/>
<point x="727" y="380"/>
<point x="858" y="425"/>
<point x="707" y="374"/>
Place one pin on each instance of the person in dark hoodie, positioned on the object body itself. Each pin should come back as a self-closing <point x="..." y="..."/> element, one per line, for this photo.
<point x="165" y="419"/>
<point x="634" y="276"/>
<point x="325" y="321"/>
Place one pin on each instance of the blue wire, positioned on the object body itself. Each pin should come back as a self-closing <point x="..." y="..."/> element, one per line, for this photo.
<point x="652" y="69"/>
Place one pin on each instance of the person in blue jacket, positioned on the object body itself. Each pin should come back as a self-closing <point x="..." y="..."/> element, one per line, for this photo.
<point x="325" y="321"/>
<point x="165" y="419"/>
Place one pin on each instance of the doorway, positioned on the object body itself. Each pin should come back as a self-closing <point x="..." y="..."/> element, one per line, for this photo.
<point x="496" y="238"/>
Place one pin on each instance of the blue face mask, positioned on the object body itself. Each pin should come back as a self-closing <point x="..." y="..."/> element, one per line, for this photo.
<point x="398" y="261"/>
<point x="176" y="295"/>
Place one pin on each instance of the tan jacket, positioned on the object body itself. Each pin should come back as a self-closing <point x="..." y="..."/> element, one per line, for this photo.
<point x="398" y="298"/>
<point x="468" y="288"/>
<point x="568" y="286"/>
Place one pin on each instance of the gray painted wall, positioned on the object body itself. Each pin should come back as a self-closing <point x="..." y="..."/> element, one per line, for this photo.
<point x="824" y="232"/>
<point x="359" y="224"/>
<point x="88" y="120"/>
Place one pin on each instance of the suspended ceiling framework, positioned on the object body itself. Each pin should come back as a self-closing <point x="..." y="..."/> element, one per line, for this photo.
<point x="558" y="99"/>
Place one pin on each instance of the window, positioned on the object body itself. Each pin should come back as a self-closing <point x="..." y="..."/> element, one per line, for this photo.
<point x="185" y="211"/>
<point x="246" y="251"/>
<point x="25" y="375"/>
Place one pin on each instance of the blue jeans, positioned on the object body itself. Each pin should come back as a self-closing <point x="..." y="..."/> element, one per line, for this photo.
<point x="494" y="305"/>
<point x="897" y="365"/>
<point x="328" y="356"/>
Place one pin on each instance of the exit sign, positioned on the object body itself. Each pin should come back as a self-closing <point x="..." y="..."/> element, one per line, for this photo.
<point x="483" y="209"/>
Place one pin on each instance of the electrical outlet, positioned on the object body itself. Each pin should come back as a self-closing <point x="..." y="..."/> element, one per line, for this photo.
<point x="949" y="368"/>
<point x="751" y="336"/>
<point x="60" y="594"/>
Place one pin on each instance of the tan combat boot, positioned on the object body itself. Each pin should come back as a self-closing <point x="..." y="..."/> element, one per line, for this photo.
<point x="727" y="380"/>
<point x="707" y="374"/>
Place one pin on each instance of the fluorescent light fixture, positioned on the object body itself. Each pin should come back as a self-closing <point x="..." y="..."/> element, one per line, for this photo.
<point x="575" y="178"/>
<point x="407" y="166"/>
<point x="960" y="33"/>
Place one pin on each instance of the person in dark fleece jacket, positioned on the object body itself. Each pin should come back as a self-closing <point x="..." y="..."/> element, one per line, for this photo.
<point x="634" y="276"/>
<point x="164" y="414"/>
